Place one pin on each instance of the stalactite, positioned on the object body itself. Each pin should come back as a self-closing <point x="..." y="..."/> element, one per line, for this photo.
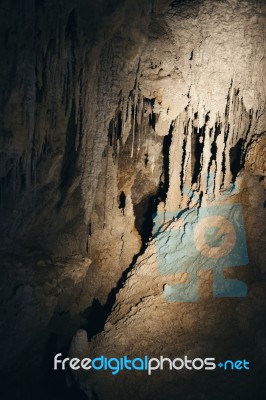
<point x="133" y="124"/>
<point x="140" y="120"/>
<point x="235" y="126"/>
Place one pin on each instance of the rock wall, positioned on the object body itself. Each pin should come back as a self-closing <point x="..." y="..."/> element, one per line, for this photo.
<point x="202" y="68"/>
<point x="110" y="112"/>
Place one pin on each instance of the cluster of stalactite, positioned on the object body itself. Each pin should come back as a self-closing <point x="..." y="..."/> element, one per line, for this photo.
<point x="205" y="159"/>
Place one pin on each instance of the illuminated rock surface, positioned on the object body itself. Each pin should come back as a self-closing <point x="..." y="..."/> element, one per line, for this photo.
<point x="109" y="113"/>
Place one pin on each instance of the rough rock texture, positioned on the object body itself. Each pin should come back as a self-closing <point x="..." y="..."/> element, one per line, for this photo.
<point x="65" y="66"/>
<point x="111" y="111"/>
<point x="142" y="322"/>
<point x="203" y="68"/>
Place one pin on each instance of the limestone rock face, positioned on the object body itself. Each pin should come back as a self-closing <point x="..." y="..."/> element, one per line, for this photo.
<point x="144" y="322"/>
<point x="111" y="112"/>
<point x="196" y="68"/>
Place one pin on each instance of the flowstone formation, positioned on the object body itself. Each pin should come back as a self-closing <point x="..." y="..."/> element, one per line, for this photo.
<point x="124" y="125"/>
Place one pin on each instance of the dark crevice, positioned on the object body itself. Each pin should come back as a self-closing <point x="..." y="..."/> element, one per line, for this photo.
<point x="143" y="212"/>
<point x="196" y="152"/>
<point x="236" y="158"/>
<point x="119" y="125"/>
<point x="99" y="313"/>
<point x="213" y="151"/>
<point x="152" y="116"/>
<point x="146" y="159"/>
<point x="110" y="133"/>
<point x="115" y="132"/>
<point x="217" y="131"/>
<point x="183" y="164"/>
<point x="223" y="168"/>
<point x="166" y="163"/>
<point x="122" y="202"/>
<point x="228" y="99"/>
